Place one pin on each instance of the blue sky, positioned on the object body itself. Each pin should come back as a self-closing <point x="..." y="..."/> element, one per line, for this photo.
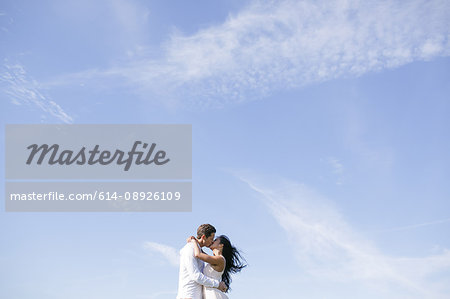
<point x="320" y="142"/>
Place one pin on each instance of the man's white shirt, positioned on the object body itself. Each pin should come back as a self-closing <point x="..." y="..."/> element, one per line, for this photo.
<point x="191" y="277"/>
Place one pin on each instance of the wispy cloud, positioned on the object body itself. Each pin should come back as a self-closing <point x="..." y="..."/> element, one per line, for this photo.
<point x="169" y="253"/>
<point x="131" y="16"/>
<point x="337" y="169"/>
<point x="21" y="89"/>
<point x="288" y="44"/>
<point x="330" y="249"/>
<point x="5" y="22"/>
<point x="417" y="225"/>
<point x="336" y="165"/>
<point x="124" y="23"/>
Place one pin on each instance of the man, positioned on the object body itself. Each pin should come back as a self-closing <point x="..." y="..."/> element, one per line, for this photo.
<point x="191" y="276"/>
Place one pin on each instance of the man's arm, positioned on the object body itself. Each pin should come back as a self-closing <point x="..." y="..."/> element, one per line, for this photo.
<point x="194" y="272"/>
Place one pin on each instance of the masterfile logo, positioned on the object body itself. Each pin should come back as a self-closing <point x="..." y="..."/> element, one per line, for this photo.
<point x="68" y="157"/>
<point x="71" y="167"/>
<point x="150" y="151"/>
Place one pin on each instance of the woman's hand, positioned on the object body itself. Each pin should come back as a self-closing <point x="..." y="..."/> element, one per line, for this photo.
<point x="222" y="287"/>
<point x="191" y="239"/>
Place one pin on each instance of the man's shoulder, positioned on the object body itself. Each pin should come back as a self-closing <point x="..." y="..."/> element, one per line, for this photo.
<point x="189" y="247"/>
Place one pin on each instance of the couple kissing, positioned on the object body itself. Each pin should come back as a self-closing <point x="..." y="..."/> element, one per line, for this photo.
<point x="204" y="276"/>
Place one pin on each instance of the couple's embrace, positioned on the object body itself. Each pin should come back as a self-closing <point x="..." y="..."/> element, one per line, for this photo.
<point x="204" y="276"/>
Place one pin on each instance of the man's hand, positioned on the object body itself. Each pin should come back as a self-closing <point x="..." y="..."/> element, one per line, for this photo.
<point x="222" y="287"/>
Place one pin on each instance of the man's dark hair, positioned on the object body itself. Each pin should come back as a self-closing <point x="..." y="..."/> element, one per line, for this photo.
<point x="205" y="229"/>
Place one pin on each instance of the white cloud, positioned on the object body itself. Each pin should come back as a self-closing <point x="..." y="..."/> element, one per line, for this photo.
<point x="20" y="88"/>
<point x="336" y="165"/>
<point x="337" y="169"/>
<point x="169" y="253"/>
<point x="130" y="23"/>
<point x="287" y="44"/>
<point x="123" y="23"/>
<point x="417" y="225"/>
<point x="130" y="14"/>
<point x="331" y="250"/>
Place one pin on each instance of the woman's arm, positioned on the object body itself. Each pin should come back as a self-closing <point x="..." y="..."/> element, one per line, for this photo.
<point x="213" y="260"/>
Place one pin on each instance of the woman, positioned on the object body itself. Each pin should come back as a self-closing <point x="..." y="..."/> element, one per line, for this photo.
<point x="226" y="260"/>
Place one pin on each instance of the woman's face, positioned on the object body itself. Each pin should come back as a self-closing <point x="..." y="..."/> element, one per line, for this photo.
<point x="216" y="244"/>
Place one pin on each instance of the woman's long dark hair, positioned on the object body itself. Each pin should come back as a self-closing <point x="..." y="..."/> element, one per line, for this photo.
<point x="234" y="260"/>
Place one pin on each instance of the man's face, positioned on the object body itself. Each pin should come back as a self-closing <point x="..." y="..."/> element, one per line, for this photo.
<point x="209" y="240"/>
